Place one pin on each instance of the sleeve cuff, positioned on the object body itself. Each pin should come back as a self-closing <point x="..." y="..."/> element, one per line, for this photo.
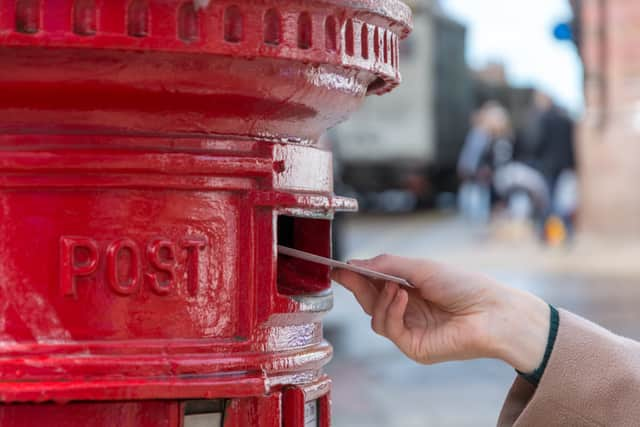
<point x="535" y="376"/>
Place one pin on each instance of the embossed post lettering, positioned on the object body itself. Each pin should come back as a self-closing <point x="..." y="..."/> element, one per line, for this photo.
<point x="193" y="247"/>
<point x="78" y="257"/>
<point x="132" y="276"/>
<point x="162" y="256"/>
<point x="127" y="267"/>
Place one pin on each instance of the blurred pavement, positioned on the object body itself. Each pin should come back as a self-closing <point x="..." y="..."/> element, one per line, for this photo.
<point x="376" y="386"/>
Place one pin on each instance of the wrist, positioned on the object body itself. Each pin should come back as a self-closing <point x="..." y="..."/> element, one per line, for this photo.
<point x="521" y="330"/>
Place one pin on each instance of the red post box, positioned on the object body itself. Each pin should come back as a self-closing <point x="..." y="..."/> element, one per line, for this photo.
<point x="152" y="155"/>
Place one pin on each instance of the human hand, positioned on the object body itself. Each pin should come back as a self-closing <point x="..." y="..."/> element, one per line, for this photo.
<point x="450" y="315"/>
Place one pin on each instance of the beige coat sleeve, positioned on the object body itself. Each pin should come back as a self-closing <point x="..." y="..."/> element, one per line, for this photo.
<point x="592" y="379"/>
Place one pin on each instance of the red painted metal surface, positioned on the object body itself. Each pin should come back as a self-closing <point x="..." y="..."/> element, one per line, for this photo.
<point x="152" y="155"/>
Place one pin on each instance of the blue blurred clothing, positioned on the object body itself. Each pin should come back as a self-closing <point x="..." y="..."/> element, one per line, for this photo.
<point x="473" y="154"/>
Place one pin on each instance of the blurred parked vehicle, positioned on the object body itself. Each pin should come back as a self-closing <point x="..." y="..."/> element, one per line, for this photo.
<point x="398" y="154"/>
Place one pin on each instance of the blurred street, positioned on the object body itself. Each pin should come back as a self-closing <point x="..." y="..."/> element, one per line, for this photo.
<point x="375" y="385"/>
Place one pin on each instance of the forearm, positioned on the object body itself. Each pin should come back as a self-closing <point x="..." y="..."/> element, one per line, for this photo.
<point x="592" y="378"/>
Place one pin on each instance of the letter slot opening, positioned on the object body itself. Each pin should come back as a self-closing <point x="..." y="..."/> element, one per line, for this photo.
<point x="203" y="413"/>
<point x="299" y="277"/>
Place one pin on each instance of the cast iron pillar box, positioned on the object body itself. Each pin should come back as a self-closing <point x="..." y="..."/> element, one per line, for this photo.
<point x="152" y="155"/>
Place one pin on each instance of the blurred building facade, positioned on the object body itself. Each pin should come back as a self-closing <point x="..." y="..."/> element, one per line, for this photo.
<point x="492" y="73"/>
<point x="490" y="83"/>
<point x="607" y="34"/>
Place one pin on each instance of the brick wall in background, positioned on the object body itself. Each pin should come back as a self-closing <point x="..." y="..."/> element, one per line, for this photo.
<point x="609" y="136"/>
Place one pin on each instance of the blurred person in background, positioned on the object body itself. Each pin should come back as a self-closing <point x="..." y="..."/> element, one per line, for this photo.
<point x="570" y="372"/>
<point x="488" y="146"/>
<point x="547" y="145"/>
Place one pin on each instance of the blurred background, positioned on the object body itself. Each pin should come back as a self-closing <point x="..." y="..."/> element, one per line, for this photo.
<point x="510" y="148"/>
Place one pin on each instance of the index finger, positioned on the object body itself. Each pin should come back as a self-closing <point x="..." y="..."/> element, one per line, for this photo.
<point x="365" y="291"/>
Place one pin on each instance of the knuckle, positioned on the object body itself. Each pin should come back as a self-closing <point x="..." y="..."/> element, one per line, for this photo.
<point x="375" y="325"/>
<point x="392" y="335"/>
<point x="393" y="330"/>
<point x="383" y="257"/>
